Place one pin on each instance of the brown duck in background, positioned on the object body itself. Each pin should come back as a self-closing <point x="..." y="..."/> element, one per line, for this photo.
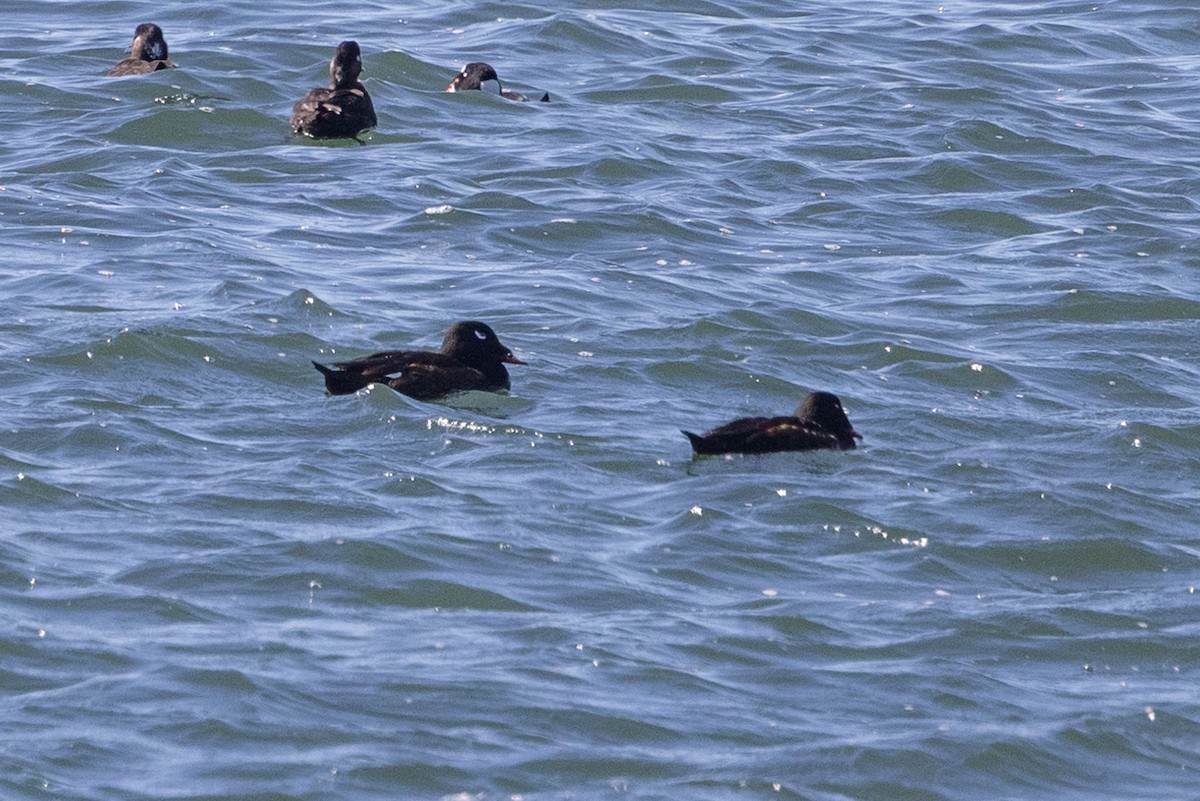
<point x="147" y="53"/>
<point x="819" y="422"/>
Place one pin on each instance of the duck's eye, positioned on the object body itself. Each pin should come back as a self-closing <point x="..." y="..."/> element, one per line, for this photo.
<point x="482" y="337"/>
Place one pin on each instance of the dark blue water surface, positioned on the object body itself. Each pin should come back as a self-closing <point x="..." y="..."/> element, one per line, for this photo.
<point x="977" y="223"/>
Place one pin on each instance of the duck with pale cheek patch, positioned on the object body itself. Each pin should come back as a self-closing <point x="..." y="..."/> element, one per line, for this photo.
<point x="344" y="109"/>
<point x="819" y="423"/>
<point x="147" y="53"/>
<point x="475" y="74"/>
<point x="471" y="358"/>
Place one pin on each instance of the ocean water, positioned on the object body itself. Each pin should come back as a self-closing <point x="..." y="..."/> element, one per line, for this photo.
<point x="977" y="223"/>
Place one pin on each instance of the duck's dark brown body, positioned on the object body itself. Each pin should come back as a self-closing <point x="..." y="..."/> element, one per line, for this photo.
<point x="342" y="110"/>
<point x="471" y="358"/>
<point x="818" y="423"/>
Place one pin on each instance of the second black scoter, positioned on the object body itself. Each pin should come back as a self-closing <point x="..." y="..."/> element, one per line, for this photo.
<point x="473" y="75"/>
<point x="342" y="110"/>
<point x="471" y="358"/>
<point x="820" y="422"/>
<point x="148" y="53"/>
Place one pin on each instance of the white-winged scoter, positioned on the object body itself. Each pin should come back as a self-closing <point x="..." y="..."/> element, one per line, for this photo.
<point x="471" y="358"/>
<point x="819" y="422"/>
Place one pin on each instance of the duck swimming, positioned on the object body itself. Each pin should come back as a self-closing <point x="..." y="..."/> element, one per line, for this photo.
<point x="474" y="74"/>
<point x="819" y="422"/>
<point x="342" y="110"/>
<point x="147" y="53"/>
<point x="471" y="358"/>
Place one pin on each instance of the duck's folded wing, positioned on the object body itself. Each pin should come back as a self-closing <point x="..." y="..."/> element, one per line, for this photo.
<point x="353" y="375"/>
<point x="428" y="381"/>
<point x="385" y="363"/>
<point x="333" y="113"/>
<point x="791" y="434"/>
<point x="763" y="435"/>
<point x="358" y="103"/>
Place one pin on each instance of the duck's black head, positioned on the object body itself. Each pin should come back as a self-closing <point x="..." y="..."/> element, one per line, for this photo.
<point x="476" y="344"/>
<point x="346" y="66"/>
<point x="472" y="76"/>
<point x="148" y="43"/>
<point x="824" y="410"/>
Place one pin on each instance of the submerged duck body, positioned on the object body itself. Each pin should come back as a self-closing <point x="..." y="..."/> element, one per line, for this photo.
<point x="342" y="110"/>
<point x="147" y="53"/>
<point x="819" y="423"/>
<point x="473" y="76"/>
<point x="471" y="358"/>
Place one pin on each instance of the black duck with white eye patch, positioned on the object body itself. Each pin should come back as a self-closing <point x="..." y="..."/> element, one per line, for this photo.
<point x="474" y="75"/>
<point x="471" y="358"/>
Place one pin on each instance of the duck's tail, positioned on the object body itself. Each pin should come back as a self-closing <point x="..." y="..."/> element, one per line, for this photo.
<point x="696" y="440"/>
<point x="340" y="382"/>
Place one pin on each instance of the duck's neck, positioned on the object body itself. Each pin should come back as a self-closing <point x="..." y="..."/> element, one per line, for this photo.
<point x="496" y="374"/>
